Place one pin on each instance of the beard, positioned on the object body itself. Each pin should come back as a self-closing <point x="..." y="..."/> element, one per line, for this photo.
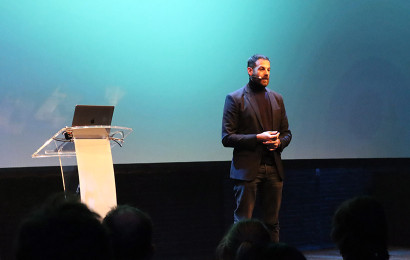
<point x="259" y="83"/>
<point x="264" y="82"/>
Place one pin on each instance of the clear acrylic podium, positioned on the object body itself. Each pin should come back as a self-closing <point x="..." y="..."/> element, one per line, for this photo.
<point x="91" y="145"/>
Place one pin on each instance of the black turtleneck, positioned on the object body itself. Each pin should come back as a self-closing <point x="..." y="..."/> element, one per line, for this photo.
<point x="256" y="86"/>
<point x="265" y="108"/>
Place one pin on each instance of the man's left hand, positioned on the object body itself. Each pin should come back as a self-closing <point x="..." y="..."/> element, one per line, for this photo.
<point x="272" y="145"/>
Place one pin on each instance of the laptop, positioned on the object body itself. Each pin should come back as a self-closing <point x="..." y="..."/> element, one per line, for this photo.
<point x="87" y="115"/>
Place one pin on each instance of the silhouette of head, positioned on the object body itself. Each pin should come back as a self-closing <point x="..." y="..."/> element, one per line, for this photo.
<point x="360" y="229"/>
<point x="62" y="229"/>
<point x="130" y="232"/>
<point x="282" y="251"/>
<point x="242" y="238"/>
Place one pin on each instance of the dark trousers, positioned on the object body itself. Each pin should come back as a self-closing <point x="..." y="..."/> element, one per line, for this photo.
<point x="268" y="185"/>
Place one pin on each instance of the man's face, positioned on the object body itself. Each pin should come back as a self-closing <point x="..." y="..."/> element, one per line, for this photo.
<point x="261" y="72"/>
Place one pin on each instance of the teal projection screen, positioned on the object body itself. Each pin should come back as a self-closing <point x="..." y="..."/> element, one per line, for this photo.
<point x="343" y="68"/>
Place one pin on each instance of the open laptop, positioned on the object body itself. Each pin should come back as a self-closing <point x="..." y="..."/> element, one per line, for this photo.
<point x="87" y="115"/>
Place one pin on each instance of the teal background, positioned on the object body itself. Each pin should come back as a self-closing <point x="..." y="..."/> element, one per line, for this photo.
<point x="341" y="66"/>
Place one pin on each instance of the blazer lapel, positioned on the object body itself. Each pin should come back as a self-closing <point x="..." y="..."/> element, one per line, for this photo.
<point x="275" y="108"/>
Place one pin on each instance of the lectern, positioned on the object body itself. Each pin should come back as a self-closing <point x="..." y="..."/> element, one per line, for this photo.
<point x="92" y="149"/>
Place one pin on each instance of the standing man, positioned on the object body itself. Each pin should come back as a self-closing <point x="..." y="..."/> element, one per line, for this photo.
<point x="255" y="124"/>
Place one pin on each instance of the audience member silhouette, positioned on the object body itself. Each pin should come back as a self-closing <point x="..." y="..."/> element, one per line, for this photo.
<point x="360" y="229"/>
<point x="130" y="232"/>
<point x="62" y="229"/>
<point x="281" y="251"/>
<point x="243" y="240"/>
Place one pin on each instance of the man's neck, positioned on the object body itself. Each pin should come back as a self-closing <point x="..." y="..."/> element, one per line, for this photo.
<point x="255" y="86"/>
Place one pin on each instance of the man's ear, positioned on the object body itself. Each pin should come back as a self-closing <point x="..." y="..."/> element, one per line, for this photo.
<point x="250" y="71"/>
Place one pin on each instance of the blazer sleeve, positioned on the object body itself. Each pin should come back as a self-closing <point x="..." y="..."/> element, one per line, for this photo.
<point x="285" y="134"/>
<point x="230" y="124"/>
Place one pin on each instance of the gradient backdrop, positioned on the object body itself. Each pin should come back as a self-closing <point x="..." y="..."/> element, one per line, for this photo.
<point x="343" y="68"/>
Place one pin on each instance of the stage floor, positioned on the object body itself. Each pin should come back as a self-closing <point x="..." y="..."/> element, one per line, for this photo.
<point x="329" y="254"/>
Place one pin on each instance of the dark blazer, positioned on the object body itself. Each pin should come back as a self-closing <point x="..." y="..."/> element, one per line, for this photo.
<point x="242" y="122"/>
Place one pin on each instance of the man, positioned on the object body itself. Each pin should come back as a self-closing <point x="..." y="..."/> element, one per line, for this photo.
<point x="359" y="229"/>
<point x="63" y="229"/>
<point x="255" y="124"/>
<point x="130" y="233"/>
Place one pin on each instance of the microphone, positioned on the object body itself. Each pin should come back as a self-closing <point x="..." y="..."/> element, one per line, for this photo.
<point x="256" y="77"/>
<point x="68" y="135"/>
<point x="259" y="77"/>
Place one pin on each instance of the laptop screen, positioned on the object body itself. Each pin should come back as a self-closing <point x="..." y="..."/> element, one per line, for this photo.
<point x="85" y="115"/>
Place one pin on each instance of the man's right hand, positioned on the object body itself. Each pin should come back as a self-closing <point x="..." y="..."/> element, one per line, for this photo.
<point x="267" y="136"/>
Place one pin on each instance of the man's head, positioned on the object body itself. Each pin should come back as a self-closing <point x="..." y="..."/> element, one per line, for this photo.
<point x="259" y="69"/>
<point x="242" y="238"/>
<point x="130" y="232"/>
<point x="62" y="229"/>
<point x="359" y="229"/>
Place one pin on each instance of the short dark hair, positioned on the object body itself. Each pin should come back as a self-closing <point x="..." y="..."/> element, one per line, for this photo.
<point x="63" y="228"/>
<point x="130" y="232"/>
<point x="280" y="251"/>
<point x="254" y="58"/>
<point x="241" y="238"/>
<point x="360" y="229"/>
